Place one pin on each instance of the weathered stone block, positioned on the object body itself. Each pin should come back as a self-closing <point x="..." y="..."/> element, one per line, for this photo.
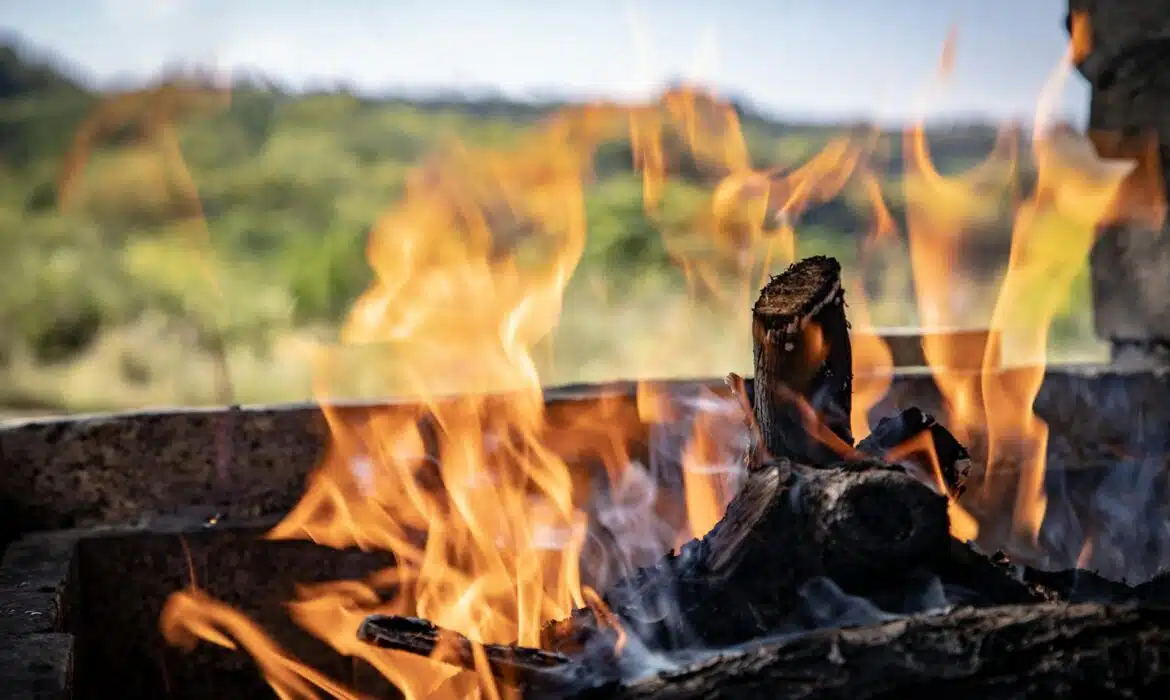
<point x="1128" y="67"/>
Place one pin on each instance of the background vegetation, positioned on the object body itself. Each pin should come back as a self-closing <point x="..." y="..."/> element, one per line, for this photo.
<point x="112" y="296"/>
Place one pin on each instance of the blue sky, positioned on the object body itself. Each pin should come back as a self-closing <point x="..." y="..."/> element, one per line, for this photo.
<point x="812" y="58"/>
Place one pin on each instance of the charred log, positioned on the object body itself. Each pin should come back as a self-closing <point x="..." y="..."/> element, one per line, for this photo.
<point x="803" y="364"/>
<point x="863" y="526"/>
<point x="514" y="665"/>
<point x="1046" y="650"/>
<point x="1081" y="586"/>
<point x="1020" y="651"/>
<point x="915" y="437"/>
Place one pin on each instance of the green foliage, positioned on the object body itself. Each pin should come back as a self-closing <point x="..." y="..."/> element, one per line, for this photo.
<point x="289" y="187"/>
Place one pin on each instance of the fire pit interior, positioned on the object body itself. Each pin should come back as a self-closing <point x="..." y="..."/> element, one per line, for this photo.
<point x="107" y="586"/>
<point x="829" y="528"/>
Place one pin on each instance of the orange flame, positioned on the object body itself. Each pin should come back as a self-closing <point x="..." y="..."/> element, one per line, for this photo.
<point x="873" y="363"/>
<point x="1080" y="32"/>
<point x="709" y="464"/>
<point x="1052" y="234"/>
<point x="485" y="519"/>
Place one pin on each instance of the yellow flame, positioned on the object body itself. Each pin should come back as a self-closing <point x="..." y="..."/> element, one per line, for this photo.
<point x="470" y="272"/>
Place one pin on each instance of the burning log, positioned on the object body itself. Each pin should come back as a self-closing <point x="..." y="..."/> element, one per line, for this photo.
<point x="867" y="526"/>
<point x="915" y="436"/>
<point x="515" y="665"/>
<point x="1009" y="651"/>
<point x="822" y="535"/>
<point x="862" y="526"/>
<point x="1048" y="650"/>
<point x="803" y="363"/>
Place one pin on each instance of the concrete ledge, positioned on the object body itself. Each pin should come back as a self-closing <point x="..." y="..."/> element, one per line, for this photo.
<point x="79" y="609"/>
<point x="37" y="598"/>
<point x="36" y="667"/>
<point x="121" y="468"/>
<point x="36" y="577"/>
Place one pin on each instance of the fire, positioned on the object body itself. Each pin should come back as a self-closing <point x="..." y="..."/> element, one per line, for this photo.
<point x="1053" y="234"/>
<point x="709" y="469"/>
<point x="873" y="364"/>
<point x="1051" y="237"/>
<point x="481" y="496"/>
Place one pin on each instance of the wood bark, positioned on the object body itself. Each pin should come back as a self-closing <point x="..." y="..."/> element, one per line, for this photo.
<point x="1032" y="651"/>
<point x="864" y="526"/>
<point x="915" y="438"/>
<point x="803" y="364"/>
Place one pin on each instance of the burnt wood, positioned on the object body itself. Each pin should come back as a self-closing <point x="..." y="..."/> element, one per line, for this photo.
<point x="1033" y="651"/>
<point x="1048" y="650"/>
<point x="511" y="664"/>
<point x="862" y="525"/>
<point x="915" y="438"/>
<point x="803" y="364"/>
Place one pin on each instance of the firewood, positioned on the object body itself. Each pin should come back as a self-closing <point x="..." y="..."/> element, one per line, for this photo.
<point x="803" y="364"/>
<point x="1051" y="650"/>
<point x="1025" y="651"/>
<point x="514" y="665"/>
<point x="1080" y="586"/>
<point x="813" y="508"/>
<point x="868" y="526"/>
<point x="863" y="526"/>
<point x="915" y="437"/>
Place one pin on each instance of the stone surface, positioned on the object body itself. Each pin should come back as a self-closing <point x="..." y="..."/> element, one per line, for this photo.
<point x="129" y="468"/>
<point x="26" y="610"/>
<point x="107" y="469"/>
<point x="37" y="598"/>
<point x="1130" y="103"/>
<point x="36" y="667"/>
<point x="79" y="609"/>
<point x="126" y="577"/>
<point x="120" y="468"/>
<point x="107" y="583"/>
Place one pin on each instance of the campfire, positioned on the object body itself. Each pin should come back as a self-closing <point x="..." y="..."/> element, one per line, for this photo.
<point x="818" y="554"/>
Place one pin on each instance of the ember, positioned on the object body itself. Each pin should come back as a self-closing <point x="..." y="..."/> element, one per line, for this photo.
<point x="802" y="545"/>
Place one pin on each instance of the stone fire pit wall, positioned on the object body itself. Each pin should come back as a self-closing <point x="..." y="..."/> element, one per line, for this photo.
<point x="129" y="468"/>
<point x="1128" y="69"/>
<point x="99" y="512"/>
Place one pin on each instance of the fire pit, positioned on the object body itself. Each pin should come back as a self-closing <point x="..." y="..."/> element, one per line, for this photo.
<point x="81" y="605"/>
<point x="827" y="529"/>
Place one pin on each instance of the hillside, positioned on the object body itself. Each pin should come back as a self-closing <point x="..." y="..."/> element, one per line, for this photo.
<point x="112" y="293"/>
